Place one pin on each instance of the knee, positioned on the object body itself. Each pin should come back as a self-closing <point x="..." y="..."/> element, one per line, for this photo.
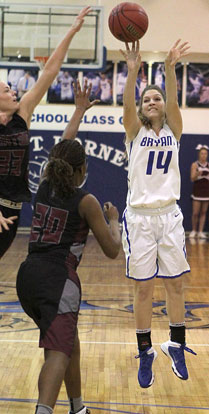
<point x="175" y="288"/>
<point x="202" y="214"/>
<point x="142" y="292"/>
<point x="56" y="359"/>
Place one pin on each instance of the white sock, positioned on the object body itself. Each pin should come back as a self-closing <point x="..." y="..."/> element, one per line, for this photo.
<point x="76" y="404"/>
<point x="43" y="409"/>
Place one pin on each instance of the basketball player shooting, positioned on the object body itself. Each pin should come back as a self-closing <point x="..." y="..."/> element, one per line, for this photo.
<point x="153" y="235"/>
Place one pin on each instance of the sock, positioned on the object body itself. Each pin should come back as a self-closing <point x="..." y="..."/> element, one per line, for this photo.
<point x="76" y="404"/>
<point x="43" y="409"/>
<point x="177" y="332"/>
<point x="143" y="339"/>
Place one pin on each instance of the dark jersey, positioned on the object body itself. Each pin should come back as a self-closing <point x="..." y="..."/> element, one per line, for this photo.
<point x="57" y="228"/>
<point x="14" y="158"/>
<point x="200" y="190"/>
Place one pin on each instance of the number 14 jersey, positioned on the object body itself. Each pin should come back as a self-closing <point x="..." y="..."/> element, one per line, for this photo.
<point x="153" y="171"/>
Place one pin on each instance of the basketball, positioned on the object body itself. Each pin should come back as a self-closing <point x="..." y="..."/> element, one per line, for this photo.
<point x="128" y="22"/>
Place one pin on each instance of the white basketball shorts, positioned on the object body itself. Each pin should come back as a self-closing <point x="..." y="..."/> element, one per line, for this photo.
<point x="154" y="243"/>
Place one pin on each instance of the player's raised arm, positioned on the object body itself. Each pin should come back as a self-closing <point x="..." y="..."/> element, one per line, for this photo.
<point x="130" y="118"/>
<point x="82" y="103"/>
<point x="173" y="113"/>
<point x="32" y="98"/>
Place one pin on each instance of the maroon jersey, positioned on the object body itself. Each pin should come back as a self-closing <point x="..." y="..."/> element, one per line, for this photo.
<point x="47" y="282"/>
<point x="57" y="228"/>
<point x="200" y="191"/>
<point x="14" y="158"/>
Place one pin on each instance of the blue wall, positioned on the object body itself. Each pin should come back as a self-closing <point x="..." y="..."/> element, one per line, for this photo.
<point x="107" y="171"/>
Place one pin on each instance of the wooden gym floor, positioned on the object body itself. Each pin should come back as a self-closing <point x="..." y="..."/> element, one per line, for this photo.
<point x="108" y="342"/>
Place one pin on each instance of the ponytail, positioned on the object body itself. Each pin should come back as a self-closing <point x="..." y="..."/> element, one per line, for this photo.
<point x="64" y="159"/>
<point x="60" y="175"/>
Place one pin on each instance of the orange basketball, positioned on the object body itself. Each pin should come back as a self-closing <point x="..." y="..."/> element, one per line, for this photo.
<point x="128" y="22"/>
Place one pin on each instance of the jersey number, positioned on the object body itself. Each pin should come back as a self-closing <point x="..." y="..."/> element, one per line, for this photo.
<point x="48" y="224"/>
<point x="159" y="163"/>
<point x="11" y="161"/>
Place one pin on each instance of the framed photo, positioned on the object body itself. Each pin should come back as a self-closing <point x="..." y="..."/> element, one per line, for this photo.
<point x="158" y="77"/>
<point x="101" y="84"/>
<point x="21" y="80"/>
<point x="61" y="90"/>
<point x="141" y="82"/>
<point x="197" y="92"/>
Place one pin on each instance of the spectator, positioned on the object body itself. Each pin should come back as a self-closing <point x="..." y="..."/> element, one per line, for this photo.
<point x="200" y="192"/>
<point x="25" y="83"/>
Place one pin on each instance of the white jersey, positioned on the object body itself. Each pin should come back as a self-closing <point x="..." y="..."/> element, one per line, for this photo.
<point x="66" y="87"/>
<point x="94" y="81"/>
<point x="121" y="81"/>
<point x="153" y="171"/>
<point x="106" y="93"/>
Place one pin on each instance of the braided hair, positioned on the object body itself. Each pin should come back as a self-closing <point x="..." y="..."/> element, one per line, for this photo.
<point x="146" y="122"/>
<point x="64" y="159"/>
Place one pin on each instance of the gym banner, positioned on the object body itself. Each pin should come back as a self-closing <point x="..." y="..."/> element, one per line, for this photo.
<point x="102" y="134"/>
<point x="107" y="166"/>
<point x="98" y="118"/>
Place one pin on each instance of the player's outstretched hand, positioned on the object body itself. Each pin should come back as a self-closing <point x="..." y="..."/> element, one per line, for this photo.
<point x="177" y="51"/>
<point x="80" y="18"/>
<point x="132" y="55"/>
<point x="81" y="97"/>
<point x="110" y="211"/>
<point x="5" y="221"/>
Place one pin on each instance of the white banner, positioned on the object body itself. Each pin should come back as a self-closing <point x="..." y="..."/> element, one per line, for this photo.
<point x="108" y="119"/>
<point x="98" y="118"/>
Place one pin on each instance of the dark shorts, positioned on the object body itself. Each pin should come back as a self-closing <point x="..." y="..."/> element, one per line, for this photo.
<point x="7" y="236"/>
<point x="51" y="298"/>
<point x="201" y="190"/>
<point x="61" y="334"/>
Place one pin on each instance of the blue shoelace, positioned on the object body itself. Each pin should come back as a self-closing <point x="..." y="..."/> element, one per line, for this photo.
<point x="180" y="353"/>
<point x="188" y="349"/>
<point x="185" y="348"/>
<point x="141" y="354"/>
<point x="146" y="361"/>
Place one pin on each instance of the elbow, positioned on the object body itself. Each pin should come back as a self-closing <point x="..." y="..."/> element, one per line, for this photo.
<point x="113" y="253"/>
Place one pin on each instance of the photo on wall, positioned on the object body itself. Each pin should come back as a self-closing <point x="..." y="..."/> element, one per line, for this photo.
<point x="61" y="90"/>
<point x="158" y="77"/>
<point x="141" y="82"/>
<point x="21" y="80"/>
<point x="197" y="93"/>
<point x="101" y="84"/>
